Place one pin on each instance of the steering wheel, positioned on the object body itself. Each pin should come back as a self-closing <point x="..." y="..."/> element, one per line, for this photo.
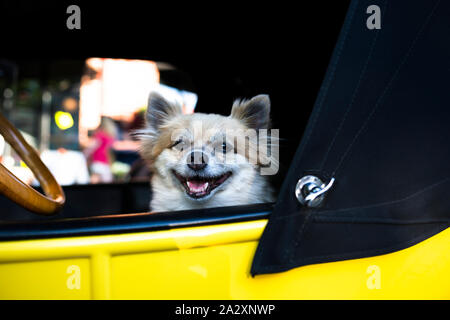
<point x="20" y="192"/>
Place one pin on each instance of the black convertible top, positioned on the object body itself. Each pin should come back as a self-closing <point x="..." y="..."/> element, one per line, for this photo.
<point x="380" y="129"/>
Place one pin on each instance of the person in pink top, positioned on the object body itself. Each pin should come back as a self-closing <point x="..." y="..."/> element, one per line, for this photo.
<point x="104" y="142"/>
<point x="99" y="153"/>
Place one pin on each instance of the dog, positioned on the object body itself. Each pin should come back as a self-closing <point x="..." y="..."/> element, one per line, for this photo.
<point x="194" y="158"/>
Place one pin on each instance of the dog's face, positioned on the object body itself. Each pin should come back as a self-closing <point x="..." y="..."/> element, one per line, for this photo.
<point x="199" y="156"/>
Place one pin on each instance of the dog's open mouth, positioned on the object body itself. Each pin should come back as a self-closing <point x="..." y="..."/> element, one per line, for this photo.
<point x="198" y="187"/>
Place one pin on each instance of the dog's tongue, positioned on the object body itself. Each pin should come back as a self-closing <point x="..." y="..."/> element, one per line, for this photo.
<point x="197" y="186"/>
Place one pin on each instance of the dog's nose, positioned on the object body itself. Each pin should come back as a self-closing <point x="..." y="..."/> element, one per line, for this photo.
<point x="197" y="160"/>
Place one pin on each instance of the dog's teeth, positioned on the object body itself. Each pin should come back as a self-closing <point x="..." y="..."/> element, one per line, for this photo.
<point x="197" y="186"/>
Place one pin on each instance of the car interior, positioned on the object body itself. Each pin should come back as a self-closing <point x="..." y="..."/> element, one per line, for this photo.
<point x="31" y="77"/>
<point x="291" y="78"/>
<point x="130" y="194"/>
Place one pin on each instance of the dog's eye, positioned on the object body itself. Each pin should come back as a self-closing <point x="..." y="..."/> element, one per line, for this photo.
<point x="177" y="143"/>
<point x="222" y="147"/>
<point x="226" y="147"/>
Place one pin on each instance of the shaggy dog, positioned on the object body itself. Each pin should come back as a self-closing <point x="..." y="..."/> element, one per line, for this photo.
<point x="207" y="160"/>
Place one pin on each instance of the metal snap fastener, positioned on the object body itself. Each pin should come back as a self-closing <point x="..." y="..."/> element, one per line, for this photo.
<point x="310" y="190"/>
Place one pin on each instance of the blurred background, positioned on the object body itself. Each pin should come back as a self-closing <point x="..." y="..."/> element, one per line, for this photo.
<point x="80" y="114"/>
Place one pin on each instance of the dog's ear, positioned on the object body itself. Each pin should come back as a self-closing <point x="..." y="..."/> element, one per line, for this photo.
<point x="160" y="110"/>
<point x="254" y="112"/>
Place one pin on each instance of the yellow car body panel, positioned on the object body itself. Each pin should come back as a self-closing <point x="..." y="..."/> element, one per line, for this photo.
<point x="210" y="262"/>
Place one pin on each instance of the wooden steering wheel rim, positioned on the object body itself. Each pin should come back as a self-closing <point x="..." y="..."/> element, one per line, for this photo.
<point x="18" y="191"/>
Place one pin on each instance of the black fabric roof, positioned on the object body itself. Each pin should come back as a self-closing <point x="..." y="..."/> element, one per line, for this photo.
<point x="381" y="127"/>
